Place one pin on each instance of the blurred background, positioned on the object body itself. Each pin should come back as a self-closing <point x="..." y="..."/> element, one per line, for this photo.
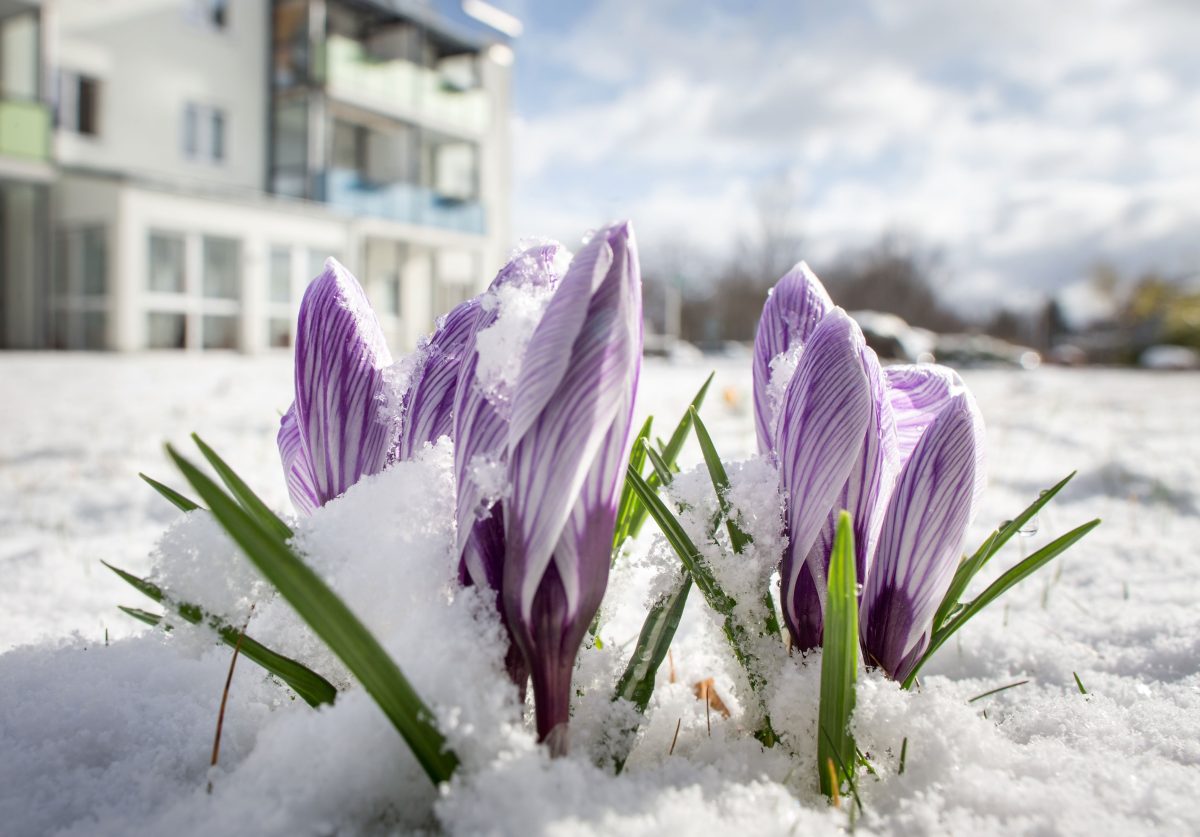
<point x="993" y="182"/>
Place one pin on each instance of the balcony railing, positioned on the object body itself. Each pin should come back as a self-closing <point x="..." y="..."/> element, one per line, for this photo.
<point x="402" y="88"/>
<point x="345" y="191"/>
<point x="24" y="129"/>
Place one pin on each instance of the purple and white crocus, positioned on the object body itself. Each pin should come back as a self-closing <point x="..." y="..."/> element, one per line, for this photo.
<point x="564" y="443"/>
<point x="336" y="431"/>
<point x="901" y="448"/>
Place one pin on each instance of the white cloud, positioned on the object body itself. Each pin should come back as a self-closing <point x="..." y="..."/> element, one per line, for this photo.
<point x="1028" y="140"/>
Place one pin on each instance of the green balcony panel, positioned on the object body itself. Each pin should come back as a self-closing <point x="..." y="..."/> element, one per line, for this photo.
<point x="24" y="130"/>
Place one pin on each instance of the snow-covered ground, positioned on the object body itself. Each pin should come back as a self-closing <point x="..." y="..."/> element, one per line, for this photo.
<point x="114" y="737"/>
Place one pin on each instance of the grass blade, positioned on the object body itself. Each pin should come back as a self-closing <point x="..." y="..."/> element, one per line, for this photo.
<point x="1079" y="684"/>
<point x="637" y="683"/>
<point x="998" y="587"/>
<point x="662" y="469"/>
<point x="629" y="500"/>
<point x="151" y="619"/>
<point x="737" y="538"/>
<point x="670" y="452"/>
<point x="314" y="689"/>
<point x="997" y="690"/>
<point x="249" y="501"/>
<point x="839" y="660"/>
<point x="990" y="546"/>
<point x="332" y="621"/>
<point x="174" y="497"/>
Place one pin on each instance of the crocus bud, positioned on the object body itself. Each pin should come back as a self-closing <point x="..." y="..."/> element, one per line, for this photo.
<point x="568" y="441"/>
<point x="337" y="430"/>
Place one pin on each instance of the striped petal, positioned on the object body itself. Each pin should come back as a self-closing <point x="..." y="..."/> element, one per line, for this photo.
<point x="820" y="433"/>
<point x="481" y="431"/>
<point x="297" y="470"/>
<point x="340" y="359"/>
<point x="792" y="310"/>
<point x="921" y="537"/>
<point x="428" y="404"/>
<point x="917" y="393"/>
<point x="568" y="437"/>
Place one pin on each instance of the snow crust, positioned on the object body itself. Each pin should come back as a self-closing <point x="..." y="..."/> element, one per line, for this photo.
<point x="115" y="739"/>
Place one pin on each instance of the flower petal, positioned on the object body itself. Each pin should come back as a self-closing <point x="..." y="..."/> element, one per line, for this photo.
<point x="917" y="393"/>
<point x="826" y="410"/>
<point x="792" y="310"/>
<point x="428" y="404"/>
<point x="340" y="359"/>
<point x="921" y="537"/>
<point x="296" y="468"/>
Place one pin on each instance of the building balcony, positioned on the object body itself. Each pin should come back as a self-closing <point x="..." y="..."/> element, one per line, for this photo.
<point x="402" y="89"/>
<point x="346" y="192"/>
<point x="25" y="130"/>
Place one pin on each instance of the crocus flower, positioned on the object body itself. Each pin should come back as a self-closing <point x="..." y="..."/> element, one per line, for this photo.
<point x="907" y="443"/>
<point x="336" y="430"/>
<point x="568" y="440"/>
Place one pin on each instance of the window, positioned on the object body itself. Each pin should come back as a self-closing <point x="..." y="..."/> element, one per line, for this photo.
<point x="211" y="13"/>
<point x="222" y="273"/>
<point x="166" y="331"/>
<point x="166" y="274"/>
<point x="92" y="262"/>
<point x="77" y="106"/>
<point x="281" y="275"/>
<point x="219" y="332"/>
<point x="391" y="295"/>
<point x="204" y="133"/>
<point x="279" y="332"/>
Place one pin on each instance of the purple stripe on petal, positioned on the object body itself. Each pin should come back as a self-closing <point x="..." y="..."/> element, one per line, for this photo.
<point x="296" y="469"/>
<point x="826" y="410"/>
<point x="921" y="537"/>
<point x="792" y="310"/>
<point x="340" y="359"/>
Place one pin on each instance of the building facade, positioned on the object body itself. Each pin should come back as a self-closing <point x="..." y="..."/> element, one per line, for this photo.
<point x="210" y="155"/>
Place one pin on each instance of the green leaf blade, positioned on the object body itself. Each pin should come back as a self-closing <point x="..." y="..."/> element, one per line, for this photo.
<point x="839" y="661"/>
<point x="170" y="494"/>
<point x="245" y="496"/>
<point x="998" y="587"/>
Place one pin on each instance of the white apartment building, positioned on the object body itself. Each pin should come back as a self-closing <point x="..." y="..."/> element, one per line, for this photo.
<point x="210" y="154"/>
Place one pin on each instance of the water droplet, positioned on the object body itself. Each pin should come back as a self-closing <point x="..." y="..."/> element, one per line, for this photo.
<point x="858" y="589"/>
<point x="1030" y="527"/>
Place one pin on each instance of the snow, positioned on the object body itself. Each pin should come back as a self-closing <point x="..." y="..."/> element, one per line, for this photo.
<point x="107" y="727"/>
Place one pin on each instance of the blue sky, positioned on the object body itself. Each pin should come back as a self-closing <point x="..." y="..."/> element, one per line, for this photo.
<point x="1026" y="140"/>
